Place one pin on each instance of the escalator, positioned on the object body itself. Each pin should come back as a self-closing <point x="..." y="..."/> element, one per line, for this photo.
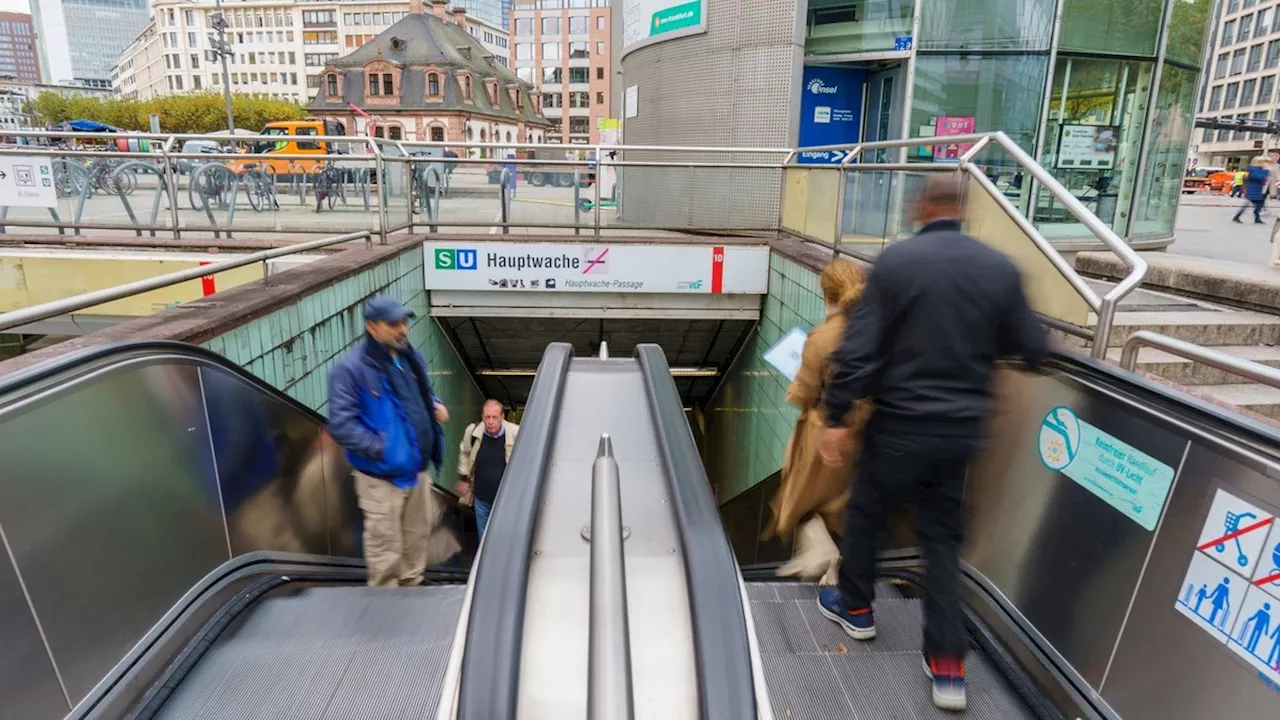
<point x="183" y="543"/>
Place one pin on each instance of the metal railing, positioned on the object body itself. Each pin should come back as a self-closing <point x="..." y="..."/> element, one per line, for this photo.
<point x="44" y="311"/>
<point x="609" y="691"/>
<point x="383" y="155"/>
<point x="1247" y="369"/>
<point x="1104" y="307"/>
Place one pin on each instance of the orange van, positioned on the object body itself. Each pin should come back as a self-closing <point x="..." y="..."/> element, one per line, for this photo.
<point x="296" y="138"/>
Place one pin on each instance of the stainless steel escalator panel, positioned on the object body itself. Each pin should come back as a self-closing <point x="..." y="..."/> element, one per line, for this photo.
<point x="327" y="654"/>
<point x="817" y="672"/>
<point x="606" y="397"/>
<point x="109" y="501"/>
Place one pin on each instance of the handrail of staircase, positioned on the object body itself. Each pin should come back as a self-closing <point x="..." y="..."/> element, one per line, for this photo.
<point x="1105" y="306"/>
<point x="1247" y="369"/>
<point x="54" y="308"/>
<point x="1137" y="266"/>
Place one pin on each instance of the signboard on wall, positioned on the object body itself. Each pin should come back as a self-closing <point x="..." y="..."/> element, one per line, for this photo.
<point x="646" y="22"/>
<point x="1087" y="147"/>
<point x="579" y="267"/>
<point x="830" y="112"/>
<point x="951" y="152"/>
<point x="27" y="182"/>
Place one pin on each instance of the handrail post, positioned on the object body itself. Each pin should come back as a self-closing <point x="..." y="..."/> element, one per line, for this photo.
<point x="596" y="186"/>
<point x="171" y="185"/>
<point x="1233" y="364"/>
<point x="609" y="692"/>
<point x="1102" y="332"/>
<point x="577" y="200"/>
<point x="384" y="192"/>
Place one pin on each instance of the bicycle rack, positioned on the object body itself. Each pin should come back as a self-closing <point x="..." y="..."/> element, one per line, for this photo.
<point x="162" y="188"/>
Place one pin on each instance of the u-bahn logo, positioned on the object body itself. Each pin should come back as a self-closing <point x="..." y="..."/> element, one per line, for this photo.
<point x="451" y="259"/>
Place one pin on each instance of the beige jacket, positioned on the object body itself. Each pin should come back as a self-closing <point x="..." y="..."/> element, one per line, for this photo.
<point x="470" y="445"/>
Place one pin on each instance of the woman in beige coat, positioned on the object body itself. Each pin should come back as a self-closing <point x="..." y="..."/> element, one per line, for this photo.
<point x="813" y="496"/>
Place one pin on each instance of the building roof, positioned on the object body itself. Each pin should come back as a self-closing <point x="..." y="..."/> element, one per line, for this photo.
<point x="421" y="40"/>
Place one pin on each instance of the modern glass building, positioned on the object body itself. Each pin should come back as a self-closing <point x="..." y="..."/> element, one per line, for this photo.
<point x="1103" y="97"/>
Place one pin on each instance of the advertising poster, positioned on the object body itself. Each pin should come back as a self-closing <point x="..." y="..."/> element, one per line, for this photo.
<point x="951" y="152"/>
<point x="830" y="111"/>
<point x="1088" y="147"/>
<point x="645" y="22"/>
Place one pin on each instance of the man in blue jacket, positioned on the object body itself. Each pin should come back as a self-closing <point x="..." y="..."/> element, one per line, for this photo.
<point x="383" y="412"/>
<point x="1255" y="188"/>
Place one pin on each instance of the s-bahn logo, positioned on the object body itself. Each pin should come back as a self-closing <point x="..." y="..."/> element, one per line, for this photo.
<point x="451" y="259"/>
<point x="817" y="87"/>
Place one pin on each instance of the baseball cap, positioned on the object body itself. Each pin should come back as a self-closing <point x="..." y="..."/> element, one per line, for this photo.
<point x="386" y="309"/>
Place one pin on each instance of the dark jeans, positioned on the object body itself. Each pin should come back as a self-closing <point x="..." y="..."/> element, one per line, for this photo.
<point x="929" y="473"/>
<point x="1257" y="209"/>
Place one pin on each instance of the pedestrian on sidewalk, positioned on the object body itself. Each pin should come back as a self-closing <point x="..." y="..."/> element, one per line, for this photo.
<point x="938" y="311"/>
<point x="1237" y="184"/>
<point x="1255" y="188"/>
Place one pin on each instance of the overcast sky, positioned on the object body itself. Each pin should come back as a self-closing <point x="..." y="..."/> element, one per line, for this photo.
<point x="15" y="6"/>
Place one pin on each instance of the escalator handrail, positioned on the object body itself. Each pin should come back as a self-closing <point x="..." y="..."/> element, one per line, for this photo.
<point x="726" y="688"/>
<point x="489" y="683"/>
<point x="36" y="374"/>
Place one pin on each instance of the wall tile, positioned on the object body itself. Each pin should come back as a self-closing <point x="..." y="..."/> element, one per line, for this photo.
<point x="295" y="347"/>
<point x="748" y="421"/>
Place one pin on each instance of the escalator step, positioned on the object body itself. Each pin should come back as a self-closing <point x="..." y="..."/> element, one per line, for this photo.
<point x="327" y="653"/>
<point x="816" y="671"/>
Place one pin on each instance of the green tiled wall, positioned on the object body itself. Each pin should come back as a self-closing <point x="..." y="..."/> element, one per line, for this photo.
<point x="749" y="421"/>
<point x="294" y="348"/>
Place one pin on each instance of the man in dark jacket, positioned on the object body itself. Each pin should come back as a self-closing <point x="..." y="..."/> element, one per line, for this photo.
<point x="383" y="412"/>
<point x="1255" y="189"/>
<point x="938" y="311"/>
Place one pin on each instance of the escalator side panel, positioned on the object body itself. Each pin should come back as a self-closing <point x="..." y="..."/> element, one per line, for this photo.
<point x="110" y="507"/>
<point x="1144" y="667"/>
<point x="1065" y="558"/>
<point x="271" y="464"/>
<point x="816" y="671"/>
<point x="28" y="682"/>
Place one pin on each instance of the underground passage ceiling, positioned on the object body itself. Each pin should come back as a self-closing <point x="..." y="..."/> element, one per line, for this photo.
<point x="504" y="352"/>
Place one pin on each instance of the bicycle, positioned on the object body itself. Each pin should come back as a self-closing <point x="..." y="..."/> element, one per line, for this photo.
<point x="328" y="185"/>
<point x="103" y="178"/>
<point x="211" y="181"/>
<point x="260" y="187"/>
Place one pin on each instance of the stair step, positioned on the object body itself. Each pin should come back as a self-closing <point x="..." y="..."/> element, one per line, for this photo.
<point x="1260" y="399"/>
<point x="1203" y="327"/>
<point x="1182" y="371"/>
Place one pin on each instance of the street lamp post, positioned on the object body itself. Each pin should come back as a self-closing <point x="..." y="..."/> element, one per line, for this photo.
<point x="221" y="49"/>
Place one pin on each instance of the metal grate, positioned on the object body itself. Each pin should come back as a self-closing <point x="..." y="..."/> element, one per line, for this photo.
<point x="815" y="670"/>
<point x="328" y="654"/>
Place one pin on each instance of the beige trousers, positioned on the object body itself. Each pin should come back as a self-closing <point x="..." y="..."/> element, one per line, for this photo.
<point x="402" y="530"/>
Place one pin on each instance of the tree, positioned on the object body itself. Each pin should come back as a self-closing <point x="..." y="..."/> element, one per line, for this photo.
<point x="188" y="113"/>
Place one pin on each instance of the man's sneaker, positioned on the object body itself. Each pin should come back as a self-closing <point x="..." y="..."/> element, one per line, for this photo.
<point x="859" y="624"/>
<point x="948" y="682"/>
